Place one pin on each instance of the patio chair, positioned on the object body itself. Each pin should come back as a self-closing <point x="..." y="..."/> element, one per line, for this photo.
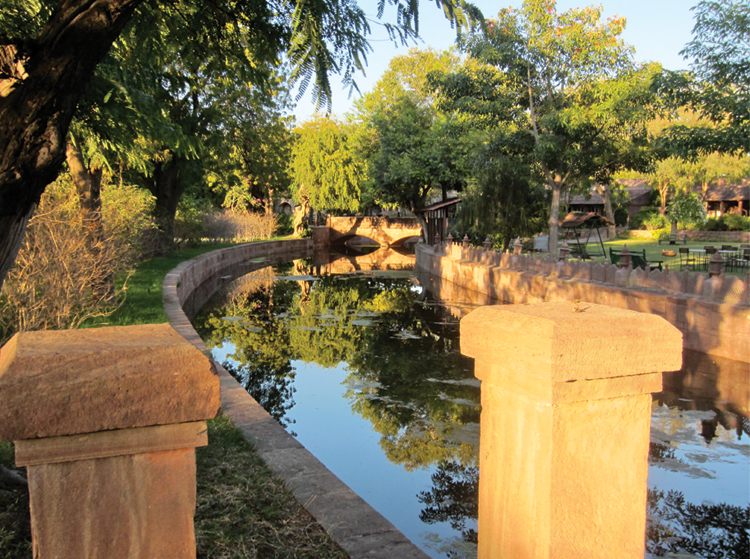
<point x="685" y="258"/>
<point x="742" y="261"/>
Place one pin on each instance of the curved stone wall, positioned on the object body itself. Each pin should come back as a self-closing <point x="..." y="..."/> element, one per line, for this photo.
<point x="712" y="314"/>
<point x="358" y="528"/>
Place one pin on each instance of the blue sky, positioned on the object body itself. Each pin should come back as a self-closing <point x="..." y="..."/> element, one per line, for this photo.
<point x="658" y="29"/>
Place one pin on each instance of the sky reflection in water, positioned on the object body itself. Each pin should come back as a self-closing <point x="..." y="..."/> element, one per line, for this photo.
<point x="364" y="369"/>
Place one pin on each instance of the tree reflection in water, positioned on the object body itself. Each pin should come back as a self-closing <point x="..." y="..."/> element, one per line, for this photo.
<point x="408" y="379"/>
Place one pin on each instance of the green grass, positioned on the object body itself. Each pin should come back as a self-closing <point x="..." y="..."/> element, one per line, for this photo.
<point x="653" y="250"/>
<point x="242" y="509"/>
<point x="143" y="302"/>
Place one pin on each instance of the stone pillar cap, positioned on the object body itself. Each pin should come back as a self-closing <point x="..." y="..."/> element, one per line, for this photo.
<point x="568" y="341"/>
<point x="71" y="382"/>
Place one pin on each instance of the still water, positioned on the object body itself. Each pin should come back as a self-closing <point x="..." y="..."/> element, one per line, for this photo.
<point x="364" y="369"/>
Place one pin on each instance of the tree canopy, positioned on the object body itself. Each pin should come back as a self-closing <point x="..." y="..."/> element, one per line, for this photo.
<point x="50" y="50"/>
<point x="570" y="94"/>
<point x="718" y="87"/>
<point x="324" y="167"/>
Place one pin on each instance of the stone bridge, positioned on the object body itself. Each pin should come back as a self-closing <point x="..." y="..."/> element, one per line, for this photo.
<point x="386" y="231"/>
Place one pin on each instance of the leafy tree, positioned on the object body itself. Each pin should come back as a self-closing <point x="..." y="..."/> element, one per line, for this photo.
<point x="571" y="75"/>
<point x="413" y="148"/>
<point x="325" y="169"/>
<point x="686" y="208"/>
<point x="50" y="50"/>
<point x="719" y="85"/>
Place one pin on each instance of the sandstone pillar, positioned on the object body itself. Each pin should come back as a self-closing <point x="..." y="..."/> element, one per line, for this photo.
<point x="107" y="422"/>
<point x="566" y="411"/>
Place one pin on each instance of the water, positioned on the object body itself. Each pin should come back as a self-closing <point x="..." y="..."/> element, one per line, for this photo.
<point x="364" y="369"/>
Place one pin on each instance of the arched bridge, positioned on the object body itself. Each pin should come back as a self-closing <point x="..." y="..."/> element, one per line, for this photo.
<point x="386" y="231"/>
<point x="381" y="259"/>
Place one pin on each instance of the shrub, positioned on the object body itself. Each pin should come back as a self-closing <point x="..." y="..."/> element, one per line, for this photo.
<point x="188" y="221"/>
<point x="238" y="227"/>
<point x="284" y="224"/>
<point x="649" y="218"/>
<point x="714" y="224"/>
<point x="127" y="216"/>
<point x="735" y="222"/>
<point x="63" y="274"/>
<point x="687" y="209"/>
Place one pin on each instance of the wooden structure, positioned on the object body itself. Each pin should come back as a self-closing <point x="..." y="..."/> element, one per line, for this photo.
<point x="436" y="218"/>
<point x="575" y="221"/>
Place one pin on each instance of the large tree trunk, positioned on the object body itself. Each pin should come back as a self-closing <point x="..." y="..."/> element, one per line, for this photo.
<point x="36" y="107"/>
<point x="88" y="182"/>
<point x="554" y="218"/>
<point x="299" y="216"/>
<point x="609" y="212"/>
<point x="167" y="185"/>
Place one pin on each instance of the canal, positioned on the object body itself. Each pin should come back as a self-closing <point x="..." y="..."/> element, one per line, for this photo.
<point x="364" y="368"/>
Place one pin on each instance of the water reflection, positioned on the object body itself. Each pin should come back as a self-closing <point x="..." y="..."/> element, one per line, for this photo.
<point x="387" y="348"/>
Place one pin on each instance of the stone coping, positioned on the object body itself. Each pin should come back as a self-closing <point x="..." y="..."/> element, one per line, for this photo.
<point x="358" y="528"/>
<point x="69" y="382"/>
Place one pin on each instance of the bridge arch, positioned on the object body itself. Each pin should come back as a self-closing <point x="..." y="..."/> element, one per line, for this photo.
<point x="386" y="231"/>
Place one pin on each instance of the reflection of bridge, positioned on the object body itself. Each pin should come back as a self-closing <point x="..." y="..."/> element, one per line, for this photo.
<point x="386" y="231"/>
<point x="382" y="259"/>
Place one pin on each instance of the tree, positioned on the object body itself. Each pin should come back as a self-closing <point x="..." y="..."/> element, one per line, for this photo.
<point x="719" y="85"/>
<point x="686" y="208"/>
<point x="50" y="51"/>
<point x="585" y="107"/>
<point x="324" y="167"/>
<point x="414" y="150"/>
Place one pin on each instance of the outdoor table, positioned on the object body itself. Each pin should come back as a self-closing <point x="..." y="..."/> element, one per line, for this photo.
<point x="700" y="252"/>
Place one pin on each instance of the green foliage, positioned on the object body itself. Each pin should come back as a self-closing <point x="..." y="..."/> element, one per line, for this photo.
<point x="649" y="218"/>
<point x="572" y="97"/>
<point x="686" y="208"/>
<point x="414" y="150"/>
<point x="719" y="86"/>
<point x="188" y="223"/>
<point x="324" y="166"/>
<point x="728" y="222"/>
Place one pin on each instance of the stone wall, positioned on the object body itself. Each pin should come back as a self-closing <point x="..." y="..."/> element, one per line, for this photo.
<point x="358" y="528"/>
<point x="713" y="315"/>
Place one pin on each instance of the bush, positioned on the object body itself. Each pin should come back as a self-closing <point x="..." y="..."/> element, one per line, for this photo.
<point x="284" y="224"/>
<point x="238" y="227"/>
<point x="64" y="273"/>
<point x="127" y="217"/>
<point x="714" y="224"/>
<point x="188" y="222"/>
<point x="735" y="222"/>
<point x="649" y="218"/>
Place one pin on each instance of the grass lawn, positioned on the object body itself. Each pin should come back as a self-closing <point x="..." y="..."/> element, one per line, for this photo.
<point x="654" y="249"/>
<point x="242" y="509"/>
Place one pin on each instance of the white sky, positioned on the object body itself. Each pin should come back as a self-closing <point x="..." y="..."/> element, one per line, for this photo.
<point x="658" y="29"/>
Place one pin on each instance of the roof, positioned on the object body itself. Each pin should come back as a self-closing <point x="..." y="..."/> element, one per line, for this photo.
<point x="594" y="199"/>
<point x="440" y="205"/>
<point x="576" y="219"/>
<point x="721" y="190"/>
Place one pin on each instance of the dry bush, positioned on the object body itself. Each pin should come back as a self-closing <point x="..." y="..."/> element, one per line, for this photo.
<point x="64" y="273"/>
<point x="238" y="227"/>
